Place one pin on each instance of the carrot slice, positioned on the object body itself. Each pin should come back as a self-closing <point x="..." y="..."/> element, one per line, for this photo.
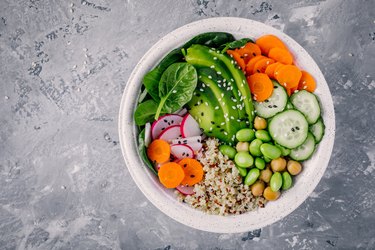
<point x="261" y="65"/>
<point x="261" y="86"/>
<point x="288" y="76"/>
<point x="290" y="91"/>
<point x="159" y="151"/>
<point x="278" y="67"/>
<point x="249" y="51"/>
<point x="193" y="171"/>
<point x="251" y="63"/>
<point x="280" y="55"/>
<point x="237" y="57"/>
<point x="171" y="174"/>
<point x="270" y="70"/>
<point x="307" y="82"/>
<point x="268" y="42"/>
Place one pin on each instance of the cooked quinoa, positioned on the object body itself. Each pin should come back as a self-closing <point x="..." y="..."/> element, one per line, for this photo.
<point x="221" y="191"/>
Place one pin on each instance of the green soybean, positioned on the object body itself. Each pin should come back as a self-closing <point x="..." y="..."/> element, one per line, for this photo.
<point x="287" y="180"/>
<point x="254" y="147"/>
<point x="276" y="182"/>
<point x="244" y="159"/>
<point x="260" y="163"/>
<point x="245" y="134"/>
<point x="228" y="151"/>
<point x="266" y="159"/>
<point x="263" y="135"/>
<point x="242" y="171"/>
<point x="252" y="176"/>
<point x="284" y="151"/>
<point x="270" y="151"/>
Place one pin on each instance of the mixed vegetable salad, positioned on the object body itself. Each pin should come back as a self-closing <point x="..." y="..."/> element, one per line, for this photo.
<point x="247" y="94"/>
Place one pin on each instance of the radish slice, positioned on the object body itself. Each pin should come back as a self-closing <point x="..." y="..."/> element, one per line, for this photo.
<point x="147" y="134"/>
<point x="157" y="167"/>
<point x="190" y="127"/>
<point x="196" y="146"/>
<point x="171" y="133"/>
<point x="181" y="151"/>
<point x="163" y="123"/>
<point x="188" y="140"/>
<point x="182" y="112"/>
<point x="185" y="190"/>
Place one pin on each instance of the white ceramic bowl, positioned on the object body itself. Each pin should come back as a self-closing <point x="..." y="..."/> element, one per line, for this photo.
<point x="165" y="199"/>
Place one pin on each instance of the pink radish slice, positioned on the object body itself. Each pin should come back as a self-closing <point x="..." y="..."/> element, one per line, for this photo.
<point x="163" y="123"/>
<point x="147" y="134"/>
<point x="190" y="127"/>
<point x="195" y="146"/>
<point x="185" y="190"/>
<point x="188" y="140"/>
<point x="171" y="133"/>
<point x="157" y="167"/>
<point x="181" y="151"/>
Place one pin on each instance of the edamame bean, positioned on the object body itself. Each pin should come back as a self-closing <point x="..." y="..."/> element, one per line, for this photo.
<point x="254" y="147"/>
<point x="287" y="181"/>
<point x="245" y="134"/>
<point x="270" y="195"/>
<point x="260" y="163"/>
<point x="284" y="151"/>
<point x="260" y="123"/>
<point x="263" y="135"/>
<point x="242" y="146"/>
<point x="242" y="171"/>
<point x="244" y="159"/>
<point x="276" y="182"/>
<point x="270" y="151"/>
<point x="228" y="151"/>
<point x="252" y="176"/>
<point x="266" y="159"/>
<point x="278" y="164"/>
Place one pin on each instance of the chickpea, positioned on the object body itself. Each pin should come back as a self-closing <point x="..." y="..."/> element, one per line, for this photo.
<point x="278" y="164"/>
<point x="294" y="167"/>
<point x="257" y="188"/>
<point x="265" y="175"/>
<point x="260" y="123"/>
<point x="242" y="146"/>
<point x="270" y="195"/>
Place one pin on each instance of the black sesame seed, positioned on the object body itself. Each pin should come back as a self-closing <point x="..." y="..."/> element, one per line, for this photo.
<point x="196" y="104"/>
<point x="198" y="95"/>
<point x="275" y="87"/>
<point x="185" y="141"/>
<point x="254" y="54"/>
<point x="192" y="176"/>
<point x="222" y="130"/>
<point x="212" y="122"/>
<point x="270" y="106"/>
<point x="293" y="130"/>
<point x="162" y="128"/>
<point x="169" y="123"/>
<point x="202" y="114"/>
<point x="266" y="101"/>
<point x="165" y="120"/>
<point x="183" y="153"/>
<point x="187" y="154"/>
<point x="297" y="128"/>
<point x="199" y="140"/>
<point x="172" y="121"/>
<point x="185" y="165"/>
<point x="275" y="106"/>
<point x="218" y="126"/>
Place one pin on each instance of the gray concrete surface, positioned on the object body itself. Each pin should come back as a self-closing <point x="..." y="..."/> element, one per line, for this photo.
<point x="63" y="181"/>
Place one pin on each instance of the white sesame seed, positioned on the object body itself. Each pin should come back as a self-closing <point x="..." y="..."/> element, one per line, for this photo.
<point x="174" y="91"/>
<point x="232" y="117"/>
<point x="206" y="103"/>
<point x="217" y="107"/>
<point x="201" y="90"/>
<point x="215" y="58"/>
<point x="210" y="77"/>
<point x="222" y="94"/>
<point x="223" y="123"/>
<point x="234" y="107"/>
<point x="225" y="133"/>
<point x="223" y="103"/>
<point x="212" y="66"/>
<point x="219" y="73"/>
<point x="304" y="87"/>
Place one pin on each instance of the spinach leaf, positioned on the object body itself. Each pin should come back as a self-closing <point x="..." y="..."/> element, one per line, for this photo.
<point x="152" y="78"/>
<point x="145" y="112"/>
<point x="210" y="39"/>
<point x="236" y="44"/>
<point x="176" y="87"/>
<point x="143" y="151"/>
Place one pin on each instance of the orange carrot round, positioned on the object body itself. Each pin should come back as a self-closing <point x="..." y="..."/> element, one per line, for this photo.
<point x="159" y="151"/>
<point x="270" y="70"/>
<point x="268" y="42"/>
<point x="280" y="55"/>
<point x="261" y="86"/>
<point x="261" y="65"/>
<point x="288" y="76"/>
<point x="237" y="57"/>
<point x="307" y="82"/>
<point x="193" y="171"/>
<point x="171" y="174"/>
<point x="251" y="63"/>
<point x="277" y="68"/>
<point x="249" y="51"/>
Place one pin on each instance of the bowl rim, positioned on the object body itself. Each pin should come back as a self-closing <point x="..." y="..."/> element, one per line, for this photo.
<point x="152" y="189"/>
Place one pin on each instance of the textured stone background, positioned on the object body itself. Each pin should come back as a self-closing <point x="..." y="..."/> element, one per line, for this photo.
<point x="63" y="181"/>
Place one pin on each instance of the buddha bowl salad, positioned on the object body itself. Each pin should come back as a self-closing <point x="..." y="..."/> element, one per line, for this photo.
<point x="228" y="122"/>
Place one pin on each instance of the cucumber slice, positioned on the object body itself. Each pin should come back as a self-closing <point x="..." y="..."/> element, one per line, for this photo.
<point x="289" y="128"/>
<point x="308" y="104"/>
<point x="317" y="129"/>
<point x="304" y="151"/>
<point x="273" y="105"/>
